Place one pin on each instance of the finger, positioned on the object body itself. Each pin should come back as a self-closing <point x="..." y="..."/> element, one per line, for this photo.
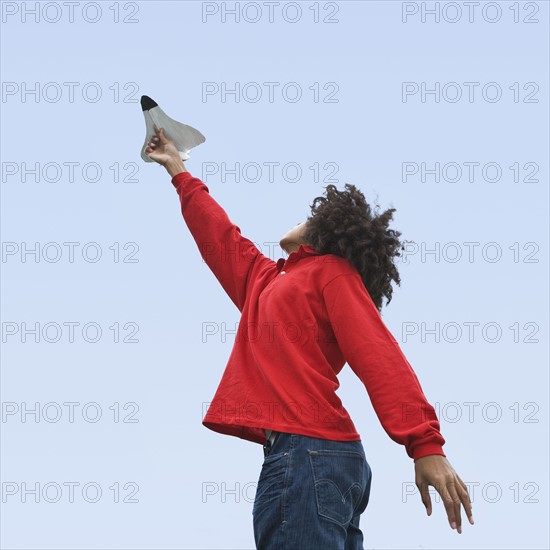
<point x="462" y="484"/>
<point x="466" y="502"/>
<point x="451" y="501"/>
<point x="163" y="138"/>
<point x="425" y="496"/>
<point x="159" y="133"/>
<point x="457" y="501"/>
<point x="465" y="498"/>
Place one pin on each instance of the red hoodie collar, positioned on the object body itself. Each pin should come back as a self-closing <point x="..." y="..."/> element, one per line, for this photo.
<point x="303" y="250"/>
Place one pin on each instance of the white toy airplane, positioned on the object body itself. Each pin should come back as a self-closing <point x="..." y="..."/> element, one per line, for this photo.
<point x="183" y="136"/>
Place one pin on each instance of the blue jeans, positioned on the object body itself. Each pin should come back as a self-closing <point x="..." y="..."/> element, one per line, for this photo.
<point x="310" y="495"/>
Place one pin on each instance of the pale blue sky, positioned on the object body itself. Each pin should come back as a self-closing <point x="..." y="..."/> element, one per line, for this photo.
<point x="351" y="124"/>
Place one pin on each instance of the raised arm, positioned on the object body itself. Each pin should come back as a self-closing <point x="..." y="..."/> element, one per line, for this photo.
<point x="376" y="358"/>
<point x="231" y="257"/>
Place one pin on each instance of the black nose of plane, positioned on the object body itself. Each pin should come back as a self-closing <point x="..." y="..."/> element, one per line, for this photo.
<point x="147" y="103"/>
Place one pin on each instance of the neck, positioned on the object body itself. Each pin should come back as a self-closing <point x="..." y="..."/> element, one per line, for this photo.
<point x="293" y="248"/>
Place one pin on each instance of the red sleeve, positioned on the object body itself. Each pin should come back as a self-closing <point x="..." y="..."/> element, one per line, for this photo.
<point x="227" y="253"/>
<point x="375" y="357"/>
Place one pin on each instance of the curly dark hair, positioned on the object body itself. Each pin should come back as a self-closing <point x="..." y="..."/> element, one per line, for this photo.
<point x="344" y="224"/>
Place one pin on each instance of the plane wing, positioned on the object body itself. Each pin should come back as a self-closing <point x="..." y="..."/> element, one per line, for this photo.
<point x="183" y="136"/>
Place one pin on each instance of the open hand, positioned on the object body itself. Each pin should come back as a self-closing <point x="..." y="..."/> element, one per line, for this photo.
<point x="435" y="470"/>
<point x="161" y="149"/>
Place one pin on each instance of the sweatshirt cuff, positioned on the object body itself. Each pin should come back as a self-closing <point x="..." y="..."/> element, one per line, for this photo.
<point x="181" y="177"/>
<point x="426" y="449"/>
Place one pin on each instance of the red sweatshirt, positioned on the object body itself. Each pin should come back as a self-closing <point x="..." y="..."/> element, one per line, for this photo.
<point x="301" y="320"/>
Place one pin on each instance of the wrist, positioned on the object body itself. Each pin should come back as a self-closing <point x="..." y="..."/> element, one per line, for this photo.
<point x="174" y="167"/>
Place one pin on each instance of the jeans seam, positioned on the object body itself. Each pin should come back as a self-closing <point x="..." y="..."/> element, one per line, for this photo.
<point x="286" y="480"/>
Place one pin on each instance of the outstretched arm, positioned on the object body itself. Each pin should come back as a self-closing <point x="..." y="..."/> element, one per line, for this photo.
<point x="229" y="255"/>
<point x="395" y="392"/>
<point x="374" y="355"/>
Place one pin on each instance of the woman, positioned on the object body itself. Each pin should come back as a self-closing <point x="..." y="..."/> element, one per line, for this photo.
<point x="302" y="319"/>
